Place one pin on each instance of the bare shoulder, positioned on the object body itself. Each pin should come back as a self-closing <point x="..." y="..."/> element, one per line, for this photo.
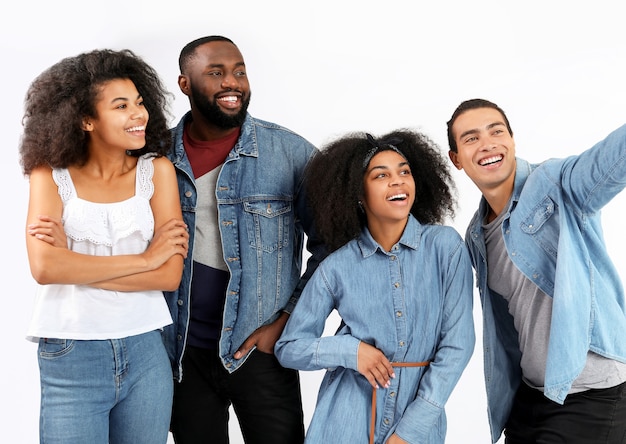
<point x="41" y="177"/>
<point x="165" y="182"/>
<point x="163" y="165"/>
<point x="41" y="172"/>
<point x="43" y="196"/>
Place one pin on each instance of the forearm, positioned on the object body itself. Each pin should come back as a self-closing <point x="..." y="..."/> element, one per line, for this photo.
<point x="51" y="265"/>
<point x="165" y="278"/>
<point x="309" y="353"/>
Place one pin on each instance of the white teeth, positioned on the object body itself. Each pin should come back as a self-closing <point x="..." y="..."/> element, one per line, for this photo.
<point x="490" y="160"/>
<point x="228" y="99"/>
<point x="397" y="196"/>
<point x="136" y="128"/>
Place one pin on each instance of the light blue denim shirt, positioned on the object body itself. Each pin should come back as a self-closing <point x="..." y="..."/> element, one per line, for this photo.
<point x="262" y="218"/>
<point x="553" y="234"/>
<point x="414" y="304"/>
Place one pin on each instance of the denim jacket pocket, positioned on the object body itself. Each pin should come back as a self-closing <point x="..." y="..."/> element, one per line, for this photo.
<point x="50" y="348"/>
<point x="268" y="223"/>
<point x="542" y="224"/>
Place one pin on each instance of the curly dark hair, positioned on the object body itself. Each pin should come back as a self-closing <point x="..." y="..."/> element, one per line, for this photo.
<point x="334" y="183"/>
<point x="60" y="98"/>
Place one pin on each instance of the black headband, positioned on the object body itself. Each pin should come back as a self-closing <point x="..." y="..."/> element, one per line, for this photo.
<point x="377" y="146"/>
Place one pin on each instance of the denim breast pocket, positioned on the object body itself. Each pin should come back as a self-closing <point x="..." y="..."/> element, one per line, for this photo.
<point x="268" y="223"/>
<point x="50" y="348"/>
<point x="542" y="224"/>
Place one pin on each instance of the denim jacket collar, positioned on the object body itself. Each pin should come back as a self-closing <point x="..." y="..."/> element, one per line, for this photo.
<point x="522" y="171"/>
<point x="246" y="144"/>
<point x="410" y="238"/>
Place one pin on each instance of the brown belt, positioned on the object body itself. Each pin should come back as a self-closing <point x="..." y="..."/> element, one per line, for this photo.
<point x="393" y="364"/>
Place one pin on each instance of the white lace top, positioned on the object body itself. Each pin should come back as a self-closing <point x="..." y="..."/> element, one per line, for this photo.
<point x="102" y="229"/>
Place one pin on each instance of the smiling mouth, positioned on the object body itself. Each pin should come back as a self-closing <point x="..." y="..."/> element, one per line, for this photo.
<point x="491" y="160"/>
<point x="397" y="197"/>
<point x="136" y="128"/>
<point x="228" y="99"/>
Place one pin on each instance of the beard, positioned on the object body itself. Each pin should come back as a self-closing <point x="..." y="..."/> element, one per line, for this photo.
<point x="211" y="111"/>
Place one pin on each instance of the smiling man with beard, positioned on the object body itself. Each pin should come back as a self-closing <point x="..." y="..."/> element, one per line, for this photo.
<point x="241" y="189"/>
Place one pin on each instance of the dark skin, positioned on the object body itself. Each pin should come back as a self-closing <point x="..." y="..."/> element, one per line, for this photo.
<point x="263" y="338"/>
<point x="217" y="73"/>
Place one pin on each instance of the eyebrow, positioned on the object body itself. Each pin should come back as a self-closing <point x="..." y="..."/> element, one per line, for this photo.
<point x="385" y="167"/>
<point x="477" y="130"/>
<point x="222" y="65"/>
<point x="124" y="99"/>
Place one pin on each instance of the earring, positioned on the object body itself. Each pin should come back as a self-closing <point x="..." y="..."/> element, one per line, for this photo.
<point x="361" y="206"/>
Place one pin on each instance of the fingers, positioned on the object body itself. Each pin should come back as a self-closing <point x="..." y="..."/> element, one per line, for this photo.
<point x="180" y="234"/>
<point x="44" y="237"/>
<point x="245" y="347"/>
<point x="169" y="239"/>
<point x="381" y="376"/>
<point x="374" y="365"/>
<point x="182" y="241"/>
<point x="395" y="439"/>
<point x="48" y="230"/>
<point x="263" y="338"/>
<point x="176" y="234"/>
<point x="44" y="226"/>
<point x="174" y="223"/>
<point x="176" y="228"/>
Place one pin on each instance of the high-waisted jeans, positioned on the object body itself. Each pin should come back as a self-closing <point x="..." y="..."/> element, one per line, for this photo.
<point x="115" y="391"/>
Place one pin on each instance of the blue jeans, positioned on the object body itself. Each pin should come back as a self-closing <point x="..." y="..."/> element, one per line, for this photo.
<point x="595" y="416"/>
<point x="115" y="391"/>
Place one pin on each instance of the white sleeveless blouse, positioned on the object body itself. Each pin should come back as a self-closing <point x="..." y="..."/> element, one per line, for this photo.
<point x="102" y="229"/>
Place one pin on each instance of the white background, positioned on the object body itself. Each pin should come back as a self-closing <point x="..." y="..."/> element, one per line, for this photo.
<point x="324" y="68"/>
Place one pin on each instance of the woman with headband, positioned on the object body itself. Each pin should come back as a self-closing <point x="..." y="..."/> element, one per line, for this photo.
<point x="401" y="283"/>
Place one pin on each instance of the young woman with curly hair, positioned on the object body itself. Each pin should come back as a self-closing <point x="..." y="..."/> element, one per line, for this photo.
<point x="104" y="237"/>
<point x="401" y="283"/>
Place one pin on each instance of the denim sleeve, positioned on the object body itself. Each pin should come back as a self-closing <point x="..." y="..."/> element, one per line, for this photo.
<point x="301" y="346"/>
<point x="316" y="248"/>
<point x="455" y="347"/>
<point x="594" y="177"/>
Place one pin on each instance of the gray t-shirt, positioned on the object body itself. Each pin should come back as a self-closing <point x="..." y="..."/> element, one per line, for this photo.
<point x="531" y="309"/>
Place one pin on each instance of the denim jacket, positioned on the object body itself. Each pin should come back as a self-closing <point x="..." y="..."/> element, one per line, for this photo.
<point x="553" y="234"/>
<point x="414" y="304"/>
<point x="262" y="217"/>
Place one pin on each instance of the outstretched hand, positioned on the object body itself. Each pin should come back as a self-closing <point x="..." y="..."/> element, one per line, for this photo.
<point x="49" y="230"/>
<point x="374" y="365"/>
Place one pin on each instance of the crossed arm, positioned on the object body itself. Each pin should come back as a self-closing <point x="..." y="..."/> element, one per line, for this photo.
<point x="159" y="267"/>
